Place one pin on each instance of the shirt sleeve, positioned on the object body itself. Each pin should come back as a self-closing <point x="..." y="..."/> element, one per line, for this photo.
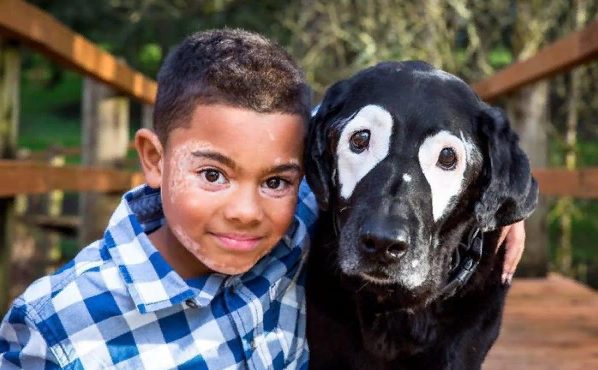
<point x="21" y="345"/>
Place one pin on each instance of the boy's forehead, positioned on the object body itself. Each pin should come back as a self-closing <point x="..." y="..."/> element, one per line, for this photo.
<point x="221" y="127"/>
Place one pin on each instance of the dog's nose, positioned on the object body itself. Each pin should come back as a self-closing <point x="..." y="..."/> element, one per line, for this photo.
<point x="388" y="245"/>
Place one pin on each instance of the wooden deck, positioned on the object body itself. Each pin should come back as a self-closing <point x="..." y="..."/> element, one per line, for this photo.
<point x="549" y="324"/>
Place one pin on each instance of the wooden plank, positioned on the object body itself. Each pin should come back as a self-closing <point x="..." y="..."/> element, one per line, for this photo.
<point x="47" y="35"/>
<point x="582" y="183"/>
<point x="67" y="223"/>
<point x="43" y="155"/>
<point x="571" y="51"/>
<point x="21" y="177"/>
<point x="549" y="324"/>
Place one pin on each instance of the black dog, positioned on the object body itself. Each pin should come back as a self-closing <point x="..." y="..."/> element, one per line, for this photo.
<point x="413" y="174"/>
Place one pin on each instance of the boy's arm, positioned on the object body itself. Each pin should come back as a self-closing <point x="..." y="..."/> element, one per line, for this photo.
<point x="21" y="345"/>
<point x="514" y="238"/>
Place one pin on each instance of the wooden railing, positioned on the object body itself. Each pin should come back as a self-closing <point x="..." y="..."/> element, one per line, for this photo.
<point x="25" y="177"/>
<point x="30" y="26"/>
<point x="108" y="83"/>
<point x="42" y="32"/>
<point x="559" y="57"/>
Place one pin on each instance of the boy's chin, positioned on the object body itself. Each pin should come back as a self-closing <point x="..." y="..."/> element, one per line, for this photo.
<point x="236" y="267"/>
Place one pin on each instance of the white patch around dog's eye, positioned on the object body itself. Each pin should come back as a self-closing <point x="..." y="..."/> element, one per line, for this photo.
<point x="443" y="159"/>
<point x="363" y="143"/>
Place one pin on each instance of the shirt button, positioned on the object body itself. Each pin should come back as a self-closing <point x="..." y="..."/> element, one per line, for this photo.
<point x="191" y="303"/>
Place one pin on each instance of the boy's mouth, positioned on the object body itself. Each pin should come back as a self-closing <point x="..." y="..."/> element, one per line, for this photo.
<point x="237" y="242"/>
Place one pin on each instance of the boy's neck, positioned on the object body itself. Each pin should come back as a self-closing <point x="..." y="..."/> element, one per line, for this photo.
<point x="178" y="257"/>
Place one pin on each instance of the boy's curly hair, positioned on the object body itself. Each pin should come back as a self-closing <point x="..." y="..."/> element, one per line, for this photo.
<point x="229" y="66"/>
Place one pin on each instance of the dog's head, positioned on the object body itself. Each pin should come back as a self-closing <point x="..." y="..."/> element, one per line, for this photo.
<point x="407" y="159"/>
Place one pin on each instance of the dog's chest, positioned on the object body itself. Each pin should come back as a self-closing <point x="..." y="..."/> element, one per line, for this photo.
<point x="390" y="334"/>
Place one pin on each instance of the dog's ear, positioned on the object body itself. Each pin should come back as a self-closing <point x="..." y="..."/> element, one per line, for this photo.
<point x="318" y="158"/>
<point x="510" y="193"/>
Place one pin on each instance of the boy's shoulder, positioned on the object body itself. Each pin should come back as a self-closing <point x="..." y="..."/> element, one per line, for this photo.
<point x="54" y="288"/>
<point x="73" y="294"/>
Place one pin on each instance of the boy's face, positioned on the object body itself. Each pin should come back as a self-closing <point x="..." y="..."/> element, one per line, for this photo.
<point x="229" y="185"/>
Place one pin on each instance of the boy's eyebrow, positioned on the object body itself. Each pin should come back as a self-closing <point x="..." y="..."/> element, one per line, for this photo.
<point x="284" y="167"/>
<point x="209" y="154"/>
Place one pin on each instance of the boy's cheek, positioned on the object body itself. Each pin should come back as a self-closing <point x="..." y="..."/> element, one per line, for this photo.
<point x="282" y="214"/>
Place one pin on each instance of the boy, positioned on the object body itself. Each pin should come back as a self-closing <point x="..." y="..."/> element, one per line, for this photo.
<point x="202" y="267"/>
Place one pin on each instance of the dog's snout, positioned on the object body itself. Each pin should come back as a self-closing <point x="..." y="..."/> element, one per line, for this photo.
<point x="390" y="245"/>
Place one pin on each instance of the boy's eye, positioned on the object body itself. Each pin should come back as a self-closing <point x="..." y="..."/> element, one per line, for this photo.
<point x="273" y="183"/>
<point x="213" y="176"/>
<point x="276" y="183"/>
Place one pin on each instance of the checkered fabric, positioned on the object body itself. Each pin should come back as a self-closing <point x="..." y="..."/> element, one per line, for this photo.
<point x="119" y="305"/>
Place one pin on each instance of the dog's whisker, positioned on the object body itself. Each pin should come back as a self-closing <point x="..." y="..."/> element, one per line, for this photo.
<point x="363" y="286"/>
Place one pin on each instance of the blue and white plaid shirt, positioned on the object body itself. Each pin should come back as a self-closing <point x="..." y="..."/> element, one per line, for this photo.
<point x="119" y="305"/>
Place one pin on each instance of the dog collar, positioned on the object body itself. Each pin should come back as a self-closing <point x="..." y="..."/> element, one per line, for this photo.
<point x="468" y="257"/>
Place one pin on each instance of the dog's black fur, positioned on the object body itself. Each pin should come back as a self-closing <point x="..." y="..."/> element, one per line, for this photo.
<point x="354" y="323"/>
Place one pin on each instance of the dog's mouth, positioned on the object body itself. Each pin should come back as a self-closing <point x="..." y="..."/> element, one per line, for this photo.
<point x="377" y="278"/>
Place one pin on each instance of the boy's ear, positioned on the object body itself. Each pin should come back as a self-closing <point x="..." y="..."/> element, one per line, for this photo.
<point x="150" y="153"/>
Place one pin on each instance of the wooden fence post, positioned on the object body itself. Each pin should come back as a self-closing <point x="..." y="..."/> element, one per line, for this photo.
<point x="10" y="70"/>
<point x="105" y="138"/>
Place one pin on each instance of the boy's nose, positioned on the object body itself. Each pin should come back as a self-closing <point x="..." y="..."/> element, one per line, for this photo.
<point x="244" y="207"/>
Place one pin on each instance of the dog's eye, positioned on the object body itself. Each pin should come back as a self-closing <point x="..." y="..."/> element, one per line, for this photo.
<point x="447" y="159"/>
<point x="360" y="141"/>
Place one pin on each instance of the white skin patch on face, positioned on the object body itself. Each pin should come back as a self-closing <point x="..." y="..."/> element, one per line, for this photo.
<point x="182" y="177"/>
<point x="406" y="178"/>
<point x="444" y="184"/>
<point x="352" y="167"/>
